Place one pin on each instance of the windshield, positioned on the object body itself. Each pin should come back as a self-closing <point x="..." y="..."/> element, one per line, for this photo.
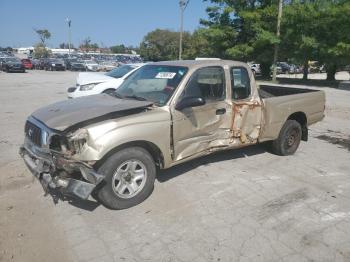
<point x="120" y="71"/>
<point x="154" y="83"/>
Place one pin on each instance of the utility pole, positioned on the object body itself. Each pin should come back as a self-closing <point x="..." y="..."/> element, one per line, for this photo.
<point x="275" y="56"/>
<point x="183" y="4"/>
<point x="69" y="35"/>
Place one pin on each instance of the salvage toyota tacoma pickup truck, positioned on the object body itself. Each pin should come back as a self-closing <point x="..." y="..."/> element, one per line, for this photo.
<point x="165" y="113"/>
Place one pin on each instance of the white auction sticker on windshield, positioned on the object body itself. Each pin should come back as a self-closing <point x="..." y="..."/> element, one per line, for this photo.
<point x="166" y="75"/>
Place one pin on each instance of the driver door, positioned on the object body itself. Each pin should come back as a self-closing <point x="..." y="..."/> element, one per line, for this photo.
<point x="200" y="128"/>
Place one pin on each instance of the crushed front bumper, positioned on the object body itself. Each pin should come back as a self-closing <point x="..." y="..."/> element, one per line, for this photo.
<point x="53" y="171"/>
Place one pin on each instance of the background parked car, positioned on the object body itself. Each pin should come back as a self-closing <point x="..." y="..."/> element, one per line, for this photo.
<point x="255" y="68"/>
<point x="40" y="63"/>
<point x="27" y="63"/>
<point x="91" y="65"/>
<point x="284" y="67"/>
<point x="77" y="66"/>
<point x="316" y="67"/>
<point x="12" y="64"/>
<point x="97" y="83"/>
<point x="52" y="64"/>
<point x="108" y="65"/>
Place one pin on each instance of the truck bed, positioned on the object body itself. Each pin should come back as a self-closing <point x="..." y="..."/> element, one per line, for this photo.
<point x="281" y="102"/>
<point x="266" y="91"/>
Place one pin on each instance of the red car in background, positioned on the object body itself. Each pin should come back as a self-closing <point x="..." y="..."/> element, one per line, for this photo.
<point x="27" y="63"/>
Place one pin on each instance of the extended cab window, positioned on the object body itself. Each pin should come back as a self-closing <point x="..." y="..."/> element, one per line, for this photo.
<point x="240" y="83"/>
<point x="208" y="83"/>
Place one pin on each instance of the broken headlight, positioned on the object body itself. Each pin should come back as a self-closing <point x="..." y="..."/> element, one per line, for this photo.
<point x="78" y="139"/>
<point x="70" y="144"/>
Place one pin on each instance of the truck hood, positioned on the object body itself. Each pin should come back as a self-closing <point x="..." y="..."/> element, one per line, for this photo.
<point x="68" y="114"/>
<point x="89" y="78"/>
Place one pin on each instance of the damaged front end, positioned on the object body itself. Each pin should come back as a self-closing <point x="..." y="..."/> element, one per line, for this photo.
<point x="51" y="158"/>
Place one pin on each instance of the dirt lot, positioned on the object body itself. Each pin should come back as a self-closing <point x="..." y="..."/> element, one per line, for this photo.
<point x="242" y="205"/>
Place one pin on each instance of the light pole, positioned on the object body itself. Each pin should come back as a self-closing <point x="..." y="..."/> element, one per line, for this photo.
<point x="183" y="4"/>
<point x="69" y="35"/>
<point x="279" y="18"/>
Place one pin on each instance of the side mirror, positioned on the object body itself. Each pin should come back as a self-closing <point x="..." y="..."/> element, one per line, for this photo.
<point x="189" y="102"/>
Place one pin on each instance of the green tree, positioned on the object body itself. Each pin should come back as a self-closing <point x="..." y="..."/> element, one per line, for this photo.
<point x="87" y="45"/>
<point x="310" y="30"/>
<point x="118" y="49"/>
<point x="65" y="46"/>
<point x="334" y="36"/>
<point x="242" y="30"/>
<point x="199" y="45"/>
<point x="298" y="40"/>
<point x="43" y="35"/>
<point x="40" y="51"/>
<point x="162" y="44"/>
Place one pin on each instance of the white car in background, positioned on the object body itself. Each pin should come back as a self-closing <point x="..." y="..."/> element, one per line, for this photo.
<point x="91" y="65"/>
<point x="255" y="68"/>
<point x="97" y="83"/>
<point x="108" y="66"/>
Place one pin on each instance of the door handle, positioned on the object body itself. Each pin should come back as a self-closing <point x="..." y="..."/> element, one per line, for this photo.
<point x="221" y="111"/>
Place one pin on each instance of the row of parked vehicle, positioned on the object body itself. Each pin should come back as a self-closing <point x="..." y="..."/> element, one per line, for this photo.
<point x="11" y="64"/>
<point x="286" y="68"/>
<point x="81" y="62"/>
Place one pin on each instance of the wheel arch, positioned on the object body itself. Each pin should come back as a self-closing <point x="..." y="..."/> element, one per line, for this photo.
<point x="153" y="149"/>
<point x="301" y="118"/>
<point x="106" y="90"/>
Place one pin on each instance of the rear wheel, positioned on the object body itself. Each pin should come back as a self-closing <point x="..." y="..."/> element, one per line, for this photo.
<point x="288" y="140"/>
<point x="129" y="178"/>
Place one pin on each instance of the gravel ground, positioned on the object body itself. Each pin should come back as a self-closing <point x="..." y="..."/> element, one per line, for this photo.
<point x="240" y="205"/>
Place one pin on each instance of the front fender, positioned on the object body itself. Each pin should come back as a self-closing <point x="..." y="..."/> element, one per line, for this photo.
<point x="150" y="126"/>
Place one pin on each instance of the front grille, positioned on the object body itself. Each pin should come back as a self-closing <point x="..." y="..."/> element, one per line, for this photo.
<point x="33" y="133"/>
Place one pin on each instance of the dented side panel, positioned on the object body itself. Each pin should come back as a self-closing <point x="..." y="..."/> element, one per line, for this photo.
<point x="247" y="117"/>
<point x="200" y="128"/>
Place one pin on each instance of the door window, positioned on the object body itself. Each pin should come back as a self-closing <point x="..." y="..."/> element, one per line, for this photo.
<point x="240" y="83"/>
<point x="208" y="83"/>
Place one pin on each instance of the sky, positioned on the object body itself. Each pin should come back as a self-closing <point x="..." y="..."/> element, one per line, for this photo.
<point x="106" y="22"/>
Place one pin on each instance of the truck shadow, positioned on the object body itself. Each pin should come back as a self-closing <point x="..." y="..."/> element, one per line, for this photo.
<point x="167" y="174"/>
<point x="231" y="154"/>
<point x="88" y="205"/>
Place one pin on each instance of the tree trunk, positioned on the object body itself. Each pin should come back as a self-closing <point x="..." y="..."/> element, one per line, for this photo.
<point x="331" y="70"/>
<point x="265" y="70"/>
<point x="305" y="70"/>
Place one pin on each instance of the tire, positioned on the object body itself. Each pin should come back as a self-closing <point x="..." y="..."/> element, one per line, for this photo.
<point x="115" y="193"/>
<point x="288" y="140"/>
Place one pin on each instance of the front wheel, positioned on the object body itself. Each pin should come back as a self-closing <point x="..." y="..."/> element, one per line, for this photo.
<point x="129" y="178"/>
<point x="288" y="140"/>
